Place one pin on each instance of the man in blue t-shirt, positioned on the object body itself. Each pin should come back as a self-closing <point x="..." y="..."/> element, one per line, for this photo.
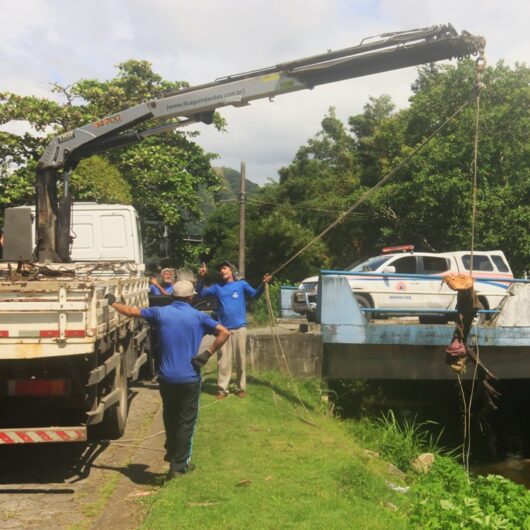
<point x="164" y="286"/>
<point x="180" y="329"/>
<point x="231" y="295"/>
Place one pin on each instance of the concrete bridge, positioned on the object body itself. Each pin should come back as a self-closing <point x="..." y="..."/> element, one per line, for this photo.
<point x="351" y="346"/>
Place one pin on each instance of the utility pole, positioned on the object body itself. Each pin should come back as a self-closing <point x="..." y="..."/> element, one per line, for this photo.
<point x="242" y="220"/>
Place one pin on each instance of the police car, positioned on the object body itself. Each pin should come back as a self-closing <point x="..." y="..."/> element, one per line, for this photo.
<point x="419" y="292"/>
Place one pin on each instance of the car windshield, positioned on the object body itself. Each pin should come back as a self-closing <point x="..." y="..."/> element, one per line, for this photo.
<point x="371" y="264"/>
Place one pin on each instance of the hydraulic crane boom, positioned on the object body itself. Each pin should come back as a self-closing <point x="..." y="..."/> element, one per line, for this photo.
<point x="390" y="51"/>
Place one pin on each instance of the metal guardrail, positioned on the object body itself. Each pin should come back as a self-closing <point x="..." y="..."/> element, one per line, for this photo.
<point x="414" y="311"/>
<point x="440" y="277"/>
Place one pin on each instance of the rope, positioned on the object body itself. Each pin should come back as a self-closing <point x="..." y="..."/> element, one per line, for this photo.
<point x="365" y="195"/>
<point x="276" y="336"/>
<point x="480" y="65"/>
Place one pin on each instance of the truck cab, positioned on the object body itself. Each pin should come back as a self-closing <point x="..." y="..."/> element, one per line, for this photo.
<point x="100" y="232"/>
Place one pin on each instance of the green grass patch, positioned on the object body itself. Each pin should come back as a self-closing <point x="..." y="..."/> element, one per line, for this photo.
<point x="278" y="459"/>
<point x="268" y="462"/>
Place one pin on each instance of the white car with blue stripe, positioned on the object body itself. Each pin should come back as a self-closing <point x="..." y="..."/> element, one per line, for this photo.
<point x="409" y="281"/>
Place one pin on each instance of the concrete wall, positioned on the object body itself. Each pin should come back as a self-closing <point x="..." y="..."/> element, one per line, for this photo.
<point x="301" y="351"/>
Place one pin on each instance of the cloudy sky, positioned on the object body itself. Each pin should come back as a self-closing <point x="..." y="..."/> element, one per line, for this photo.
<point x="44" y="41"/>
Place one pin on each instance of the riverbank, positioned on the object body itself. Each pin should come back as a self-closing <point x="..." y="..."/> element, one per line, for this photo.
<point x="279" y="459"/>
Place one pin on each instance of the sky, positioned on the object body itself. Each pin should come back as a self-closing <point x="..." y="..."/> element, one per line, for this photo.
<point x="63" y="41"/>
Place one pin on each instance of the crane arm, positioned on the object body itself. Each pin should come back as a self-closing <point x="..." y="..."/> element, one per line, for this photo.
<point x="385" y="52"/>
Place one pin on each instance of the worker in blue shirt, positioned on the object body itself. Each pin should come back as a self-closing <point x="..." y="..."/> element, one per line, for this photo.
<point x="164" y="286"/>
<point x="231" y="295"/>
<point x="181" y="329"/>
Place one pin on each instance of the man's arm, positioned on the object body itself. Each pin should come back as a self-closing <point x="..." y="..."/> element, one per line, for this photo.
<point x="256" y="293"/>
<point x="199" y="287"/>
<point x="154" y="282"/>
<point x="221" y="336"/>
<point x="123" y="309"/>
<point x="126" y="310"/>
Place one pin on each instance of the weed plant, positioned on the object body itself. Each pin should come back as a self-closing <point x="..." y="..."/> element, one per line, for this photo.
<point x="445" y="497"/>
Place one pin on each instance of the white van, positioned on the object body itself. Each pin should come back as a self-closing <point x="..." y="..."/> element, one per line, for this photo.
<point x="415" y="292"/>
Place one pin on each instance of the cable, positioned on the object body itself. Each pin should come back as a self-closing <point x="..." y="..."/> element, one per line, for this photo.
<point x="365" y="195"/>
<point x="275" y="335"/>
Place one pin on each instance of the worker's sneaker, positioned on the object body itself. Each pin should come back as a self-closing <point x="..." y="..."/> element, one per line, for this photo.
<point x="221" y="395"/>
<point x="242" y="394"/>
<point x="174" y="473"/>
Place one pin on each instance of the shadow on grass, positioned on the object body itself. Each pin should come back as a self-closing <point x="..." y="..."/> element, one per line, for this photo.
<point x="292" y="397"/>
<point x="209" y="386"/>
<point x="137" y="473"/>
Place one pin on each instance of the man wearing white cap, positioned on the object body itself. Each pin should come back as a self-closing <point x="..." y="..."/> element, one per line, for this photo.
<point x="180" y="329"/>
<point x="165" y="286"/>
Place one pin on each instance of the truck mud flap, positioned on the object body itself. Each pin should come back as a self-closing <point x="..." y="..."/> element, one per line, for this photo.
<point x="43" y="435"/>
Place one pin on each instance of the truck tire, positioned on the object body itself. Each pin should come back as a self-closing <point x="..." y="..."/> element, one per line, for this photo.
<point x="115" y="418"/>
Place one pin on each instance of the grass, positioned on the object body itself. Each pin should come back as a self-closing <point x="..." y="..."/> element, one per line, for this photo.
<point x="264" y="462"/>
<point x="268" y="462"/>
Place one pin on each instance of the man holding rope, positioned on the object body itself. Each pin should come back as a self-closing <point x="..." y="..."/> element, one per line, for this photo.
<point x="231" y="295"/>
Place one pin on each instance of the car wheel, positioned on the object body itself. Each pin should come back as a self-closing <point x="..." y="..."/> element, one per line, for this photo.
<point x="362" y="301"/>
<point x="311" y="317"/>
<point x="365" y="303"/>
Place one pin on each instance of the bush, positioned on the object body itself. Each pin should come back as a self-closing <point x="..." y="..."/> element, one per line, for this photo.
<point x="446" y="498"/>
<point x="259" y="312"/>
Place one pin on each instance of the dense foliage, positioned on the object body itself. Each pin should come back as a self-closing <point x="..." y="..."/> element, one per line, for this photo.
<point x="161" y="176"/>
<point x="445" y="497"/>
<point x="427" y="202"/>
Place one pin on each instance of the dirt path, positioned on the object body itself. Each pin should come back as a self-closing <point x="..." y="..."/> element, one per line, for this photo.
<point x="83" y="486"/>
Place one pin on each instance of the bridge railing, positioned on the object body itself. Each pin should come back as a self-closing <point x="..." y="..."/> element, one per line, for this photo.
<point x="497" y="282"/>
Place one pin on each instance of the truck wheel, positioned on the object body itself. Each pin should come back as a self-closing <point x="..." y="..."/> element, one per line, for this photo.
<point x="115" y="418"/>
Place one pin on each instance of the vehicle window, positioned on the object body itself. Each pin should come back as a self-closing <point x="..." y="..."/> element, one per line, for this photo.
<point x="309" y="286"/>
<point x="500" y="263"/>
<point x="371" y="264"/>
<point x="480" y="263"/>
<point x="434" y="265"/>
<point x="405" y="265"/>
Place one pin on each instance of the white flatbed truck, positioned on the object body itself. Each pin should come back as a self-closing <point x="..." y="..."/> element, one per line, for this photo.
<point x="63" y="352"/>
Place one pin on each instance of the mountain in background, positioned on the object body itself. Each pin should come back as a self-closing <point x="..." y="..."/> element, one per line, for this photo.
<point x="229" y="191"/>
<point x="230" y="183"/>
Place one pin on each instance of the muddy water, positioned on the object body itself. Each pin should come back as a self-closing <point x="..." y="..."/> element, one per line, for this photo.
<point x="515" y="468"/>
<point x="500" y="441"/>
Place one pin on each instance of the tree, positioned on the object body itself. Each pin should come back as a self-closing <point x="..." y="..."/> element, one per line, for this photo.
<point x="428" y="201"/>
<point x="162" y="176"/>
